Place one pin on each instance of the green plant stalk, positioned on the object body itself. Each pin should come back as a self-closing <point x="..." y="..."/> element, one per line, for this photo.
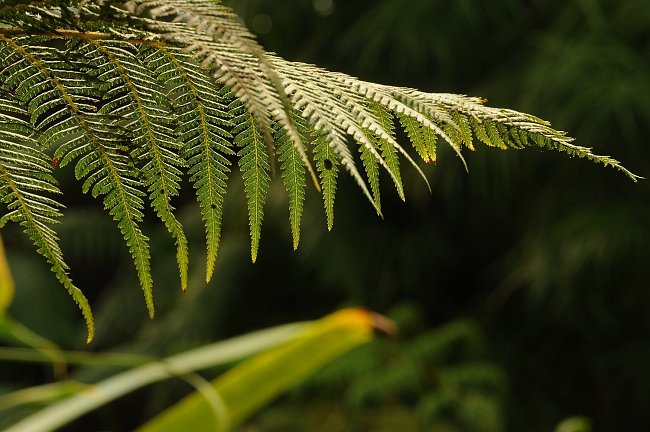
<point x="109" y="359"/>
<point x="247" y="387"/>
<point x="15" y="333"/>
<point x="94" y="396"/>
<point x="40" y="394"/>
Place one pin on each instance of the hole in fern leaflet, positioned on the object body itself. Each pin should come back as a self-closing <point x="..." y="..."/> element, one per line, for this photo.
<point x="328" y="164"/>
<point x="213" y="206"/>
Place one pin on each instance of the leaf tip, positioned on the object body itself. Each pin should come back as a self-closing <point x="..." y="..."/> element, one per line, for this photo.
<point x="91" y="332"/>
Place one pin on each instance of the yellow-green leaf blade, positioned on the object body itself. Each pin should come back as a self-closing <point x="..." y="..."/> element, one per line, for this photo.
<point x="252" y="384"/>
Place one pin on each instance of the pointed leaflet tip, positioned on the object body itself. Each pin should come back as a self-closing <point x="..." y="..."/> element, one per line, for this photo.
<point x="148" y="299"/>
<point x="209" y="270"/>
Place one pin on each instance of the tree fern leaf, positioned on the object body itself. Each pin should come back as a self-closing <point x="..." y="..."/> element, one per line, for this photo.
<point x="464" y="130"/>
<point x="209" y="18"/>
<point x="148" y="111"/>
<point x="352" y="113"/>
<point x="231" y="57"/>
<point x="480" y="131"/>
<point x="485" y="120"/>
<point x="327" y="116"/>
<point x="255" y="167"/>
<point x="121" y="193"/>
<point x="385" y="96"/>
<point x="293" y="175"/>
<point x="24" y="177"/>
<point x="436" y="119"/>
<point x="203" y="120"/>
<point x="129" y="90"/>
<point x="327" y="166"/>
<point x="261" y="92"/>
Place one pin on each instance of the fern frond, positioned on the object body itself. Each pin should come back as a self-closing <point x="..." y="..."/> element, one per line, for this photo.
<point x="228" y="52"/>
<point x="293" y="175"/>
<point x="146" y="111"/>
<point x="348" y="101"/>
<point x="502" y="126"/>
<point x="139" y="94"/>
<point x="249" y="74"/>
<point x="211" y="19"/>
<point x="255" y="167"/>
<point x="61" y="102"/>
<point x="326" y="116"/>
<point x="429" y="140"/>
<point x="202" y="126"/>
<point x="25" y="174"/>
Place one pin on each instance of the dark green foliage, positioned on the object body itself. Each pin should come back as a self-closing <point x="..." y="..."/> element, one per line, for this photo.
<point x="440" y="376"/>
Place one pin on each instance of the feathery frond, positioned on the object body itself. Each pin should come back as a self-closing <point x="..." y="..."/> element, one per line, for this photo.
<point x="141" y="95"/>
<point x="25" y="179"/>
<point x="202" y="126"/>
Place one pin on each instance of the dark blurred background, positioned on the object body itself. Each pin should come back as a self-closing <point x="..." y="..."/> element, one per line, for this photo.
<point x="522" y="288"/>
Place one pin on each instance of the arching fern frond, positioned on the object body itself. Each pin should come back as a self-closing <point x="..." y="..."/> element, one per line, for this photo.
<point x="142" y="95"/>
<point x="203" y="127"/>
<point x="25" y="182"/>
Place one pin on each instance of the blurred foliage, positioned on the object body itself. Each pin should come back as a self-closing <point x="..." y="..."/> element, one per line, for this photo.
<point x="6" y="282"/>
<point x="272" y="361"/>
<point x="429" y="379"/>
<point x="547" y="257"/>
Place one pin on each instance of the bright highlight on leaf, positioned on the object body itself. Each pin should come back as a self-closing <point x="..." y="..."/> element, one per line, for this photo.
<point x="255" y="382"/>
<point x="141" y="95"/>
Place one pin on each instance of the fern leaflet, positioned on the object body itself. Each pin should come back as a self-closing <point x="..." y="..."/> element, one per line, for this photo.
<point x="255" y="166"/>
<point x="293" y="175"/>
<point x="328" y="169"/>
